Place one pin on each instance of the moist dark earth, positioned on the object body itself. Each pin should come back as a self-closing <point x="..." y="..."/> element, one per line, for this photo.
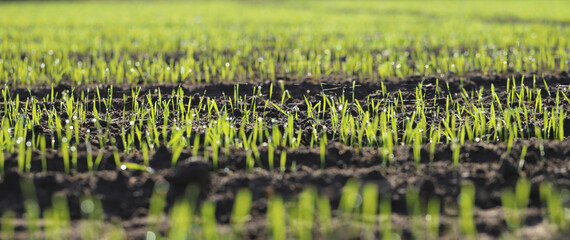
<point x="125" y="194"/>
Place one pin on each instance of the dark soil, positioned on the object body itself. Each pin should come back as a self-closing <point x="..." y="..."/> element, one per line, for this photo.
<point x="125" y="194"/>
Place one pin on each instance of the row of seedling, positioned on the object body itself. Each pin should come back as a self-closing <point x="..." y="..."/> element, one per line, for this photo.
<point x="362" y="211"/>
<point x="210" y="127"/>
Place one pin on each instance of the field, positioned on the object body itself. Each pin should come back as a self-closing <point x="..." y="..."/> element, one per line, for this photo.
<point x="285" y="120"/>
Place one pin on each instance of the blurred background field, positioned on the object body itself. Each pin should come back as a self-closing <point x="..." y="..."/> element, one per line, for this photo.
<point x="243" y="40"/>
